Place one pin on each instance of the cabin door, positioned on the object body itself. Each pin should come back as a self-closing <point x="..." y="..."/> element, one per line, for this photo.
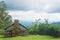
<point x="10" y="33"/>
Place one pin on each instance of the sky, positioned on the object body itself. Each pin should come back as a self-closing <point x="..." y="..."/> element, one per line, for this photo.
<point x="31" y="10"/>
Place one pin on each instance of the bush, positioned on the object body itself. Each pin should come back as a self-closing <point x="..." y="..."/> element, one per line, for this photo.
<point x="1" y="32"/>
<point x="45" y="29"/>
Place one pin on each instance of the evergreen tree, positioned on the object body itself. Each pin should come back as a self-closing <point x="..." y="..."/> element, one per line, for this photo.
<point x="5" y="19"/>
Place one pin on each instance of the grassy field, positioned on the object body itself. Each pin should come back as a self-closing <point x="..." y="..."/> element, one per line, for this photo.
<point x="30" y="37"/>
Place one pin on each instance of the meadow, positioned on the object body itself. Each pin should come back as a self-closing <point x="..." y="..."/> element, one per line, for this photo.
<point x="30" y="37"/>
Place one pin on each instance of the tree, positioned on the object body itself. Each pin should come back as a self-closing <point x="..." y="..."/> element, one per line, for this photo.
<point x="5" y="19"/>
<point x="33" y="29"/>
<point x="45" y="29"/>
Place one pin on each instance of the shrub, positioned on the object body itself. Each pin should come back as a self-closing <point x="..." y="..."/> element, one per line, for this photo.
<point x="45" y="29"/>
<point x="1" y="32"/>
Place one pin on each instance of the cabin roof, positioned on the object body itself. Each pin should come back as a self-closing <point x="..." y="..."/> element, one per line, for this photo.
<point x="13" y="24"/>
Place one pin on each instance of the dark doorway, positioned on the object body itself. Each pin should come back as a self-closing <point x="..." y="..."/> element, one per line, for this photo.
<point x="10" y="33"/>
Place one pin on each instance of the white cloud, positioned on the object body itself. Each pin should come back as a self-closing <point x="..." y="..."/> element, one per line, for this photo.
<point x="32" y="15"/>
<point x="38" y="5"/>
<point x="49" y="9"/>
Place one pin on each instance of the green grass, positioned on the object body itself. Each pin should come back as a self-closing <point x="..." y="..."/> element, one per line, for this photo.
<point x="30" y="37"/>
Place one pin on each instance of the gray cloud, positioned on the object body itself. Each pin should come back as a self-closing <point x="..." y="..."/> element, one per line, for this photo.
<point x="51" y="6"/>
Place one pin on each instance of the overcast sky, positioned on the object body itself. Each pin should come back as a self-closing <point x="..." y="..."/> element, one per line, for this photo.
<point x="29" y="10"/>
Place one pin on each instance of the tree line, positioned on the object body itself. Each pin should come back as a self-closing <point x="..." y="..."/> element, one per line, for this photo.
<point x="45" y="28"/>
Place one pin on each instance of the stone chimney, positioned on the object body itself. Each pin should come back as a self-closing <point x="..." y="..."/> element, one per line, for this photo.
<point x="16" y="22"/>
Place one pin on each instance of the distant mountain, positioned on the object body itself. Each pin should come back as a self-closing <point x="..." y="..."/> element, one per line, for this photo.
<point x="56" y="23"/>
<point x="25" y="23"/>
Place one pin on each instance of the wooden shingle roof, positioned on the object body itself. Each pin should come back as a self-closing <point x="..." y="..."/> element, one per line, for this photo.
<point x="14" y="24"/>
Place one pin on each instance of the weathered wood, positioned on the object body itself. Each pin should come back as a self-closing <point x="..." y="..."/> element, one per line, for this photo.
<point x="15" y="30"/>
